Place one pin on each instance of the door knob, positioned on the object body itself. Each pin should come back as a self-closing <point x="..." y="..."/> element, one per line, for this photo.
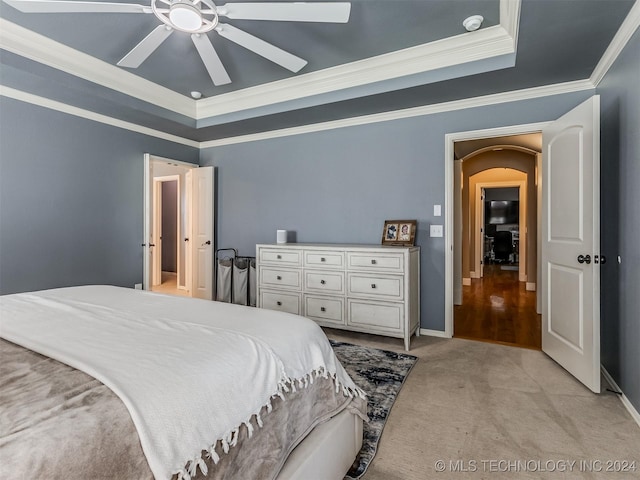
<point x="584" y="259"/>
<point x="186" y="239"/>
<point x="208" y="242"/>
<point x="152" y="244"/>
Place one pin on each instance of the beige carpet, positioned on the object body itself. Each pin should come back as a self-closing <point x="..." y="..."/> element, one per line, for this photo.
<point x="485" y="407"/>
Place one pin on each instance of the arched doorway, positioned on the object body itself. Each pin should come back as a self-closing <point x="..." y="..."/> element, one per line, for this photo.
<point x="498" y="201"/>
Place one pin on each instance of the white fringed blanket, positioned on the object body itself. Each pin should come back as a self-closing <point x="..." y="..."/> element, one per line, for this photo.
<point x="191" y="372"/>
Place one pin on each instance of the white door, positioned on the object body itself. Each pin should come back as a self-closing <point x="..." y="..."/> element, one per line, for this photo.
<point x="147" y="233"/>
<point x="571" y="242"/>
<point x="155" y="242"/>
<point x="201" y="238"/>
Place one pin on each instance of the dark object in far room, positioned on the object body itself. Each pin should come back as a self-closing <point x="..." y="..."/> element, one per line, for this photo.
<point x="503" y="246"/>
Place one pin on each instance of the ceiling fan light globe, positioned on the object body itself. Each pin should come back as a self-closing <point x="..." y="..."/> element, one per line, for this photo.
<point x="185" y="17"/>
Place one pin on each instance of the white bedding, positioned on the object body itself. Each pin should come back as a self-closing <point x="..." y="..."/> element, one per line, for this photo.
<point x="137" y="343"/>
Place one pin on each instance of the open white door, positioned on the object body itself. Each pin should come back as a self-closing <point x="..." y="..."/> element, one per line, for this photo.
<point x="147" y="260"/>
<point x="201" y="238"/>
<point x="155" y="242"/>
<point x="571" y="242"/>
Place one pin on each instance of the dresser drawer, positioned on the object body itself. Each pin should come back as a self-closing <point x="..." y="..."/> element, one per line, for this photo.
<point x="278" y="256"/>
<point x="381" y="262"/>
<point x="320" y="259"/>
<point x="328" y="310"/>
<point x="280" y="277"/>
<point x="383" y="316"/>
<point x="281" y="301"/>
<point x="388" y="287"/>
<point x="324" y="282"/>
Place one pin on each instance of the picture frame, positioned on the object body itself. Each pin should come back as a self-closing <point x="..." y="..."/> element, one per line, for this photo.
<point x="399" y="232"/>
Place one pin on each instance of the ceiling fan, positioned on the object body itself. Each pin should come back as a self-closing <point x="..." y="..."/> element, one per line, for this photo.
<point x="197" y="18"/>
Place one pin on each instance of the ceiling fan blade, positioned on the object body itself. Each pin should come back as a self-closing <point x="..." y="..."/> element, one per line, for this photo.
<point x="262" y="48"/>
<point x="146" y="47"/>
<point x="210" y="59"/>
<point x="289" y="12"/>
<point x="62" y="6"/>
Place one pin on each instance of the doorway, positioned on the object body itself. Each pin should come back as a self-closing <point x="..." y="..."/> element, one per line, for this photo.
<point x="168" y="218"/>
<point x="178" y="228"/>
<point x="497" y="205"/>
<point x="568" y="248"/>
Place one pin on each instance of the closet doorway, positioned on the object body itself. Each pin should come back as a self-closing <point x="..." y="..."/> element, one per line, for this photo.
<point x="167" y="208"/>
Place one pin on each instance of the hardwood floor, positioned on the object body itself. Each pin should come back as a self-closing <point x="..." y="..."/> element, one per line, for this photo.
<point x="497" y="308"/>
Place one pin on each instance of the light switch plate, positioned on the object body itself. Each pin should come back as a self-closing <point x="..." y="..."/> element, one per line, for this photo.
<point x="437" y="210"/>
<point x="436" y="231"/>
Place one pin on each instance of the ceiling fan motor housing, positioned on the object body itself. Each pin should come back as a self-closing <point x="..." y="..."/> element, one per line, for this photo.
<point x="187" y="15"/>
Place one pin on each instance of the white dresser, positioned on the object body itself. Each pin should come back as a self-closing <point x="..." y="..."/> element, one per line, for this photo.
<point x="364" y="288"/>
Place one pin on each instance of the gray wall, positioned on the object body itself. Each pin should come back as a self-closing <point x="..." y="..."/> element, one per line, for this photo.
<point x="620" y="177"/>
<point x="71" y="199"/>
<point x="340" y="185"/>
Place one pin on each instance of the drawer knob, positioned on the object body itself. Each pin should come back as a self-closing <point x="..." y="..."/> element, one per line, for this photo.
<point x="322" y="259"/>
<point x="278" y="277"/>
<point x="322" y="309"/>
<point x="322" y="282"/>
<point x="373" y="285"/>
<point x="373" y="262"/>
<point x="279" y="257"/>
<point x="279" y="303"/>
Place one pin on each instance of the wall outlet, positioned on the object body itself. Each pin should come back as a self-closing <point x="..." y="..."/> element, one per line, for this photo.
<point x="138" y="286"/>
<point x="436" y="231"/>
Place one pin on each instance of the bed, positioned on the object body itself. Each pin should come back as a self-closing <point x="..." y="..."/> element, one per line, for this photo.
<point x="107" y="382"/>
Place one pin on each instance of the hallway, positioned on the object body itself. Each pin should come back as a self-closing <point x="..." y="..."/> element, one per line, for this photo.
<point x="497" y="308"/>
<point x="169" y="285"/>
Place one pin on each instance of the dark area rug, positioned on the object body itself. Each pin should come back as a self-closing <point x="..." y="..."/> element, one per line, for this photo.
<point x="380" y="373"/>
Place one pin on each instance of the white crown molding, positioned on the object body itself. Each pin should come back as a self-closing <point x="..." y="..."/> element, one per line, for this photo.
<point x="89" y="115"/>
<point x="620" y="40"/>
<point x="31" y="45"/>
<point x="484" y="44"/>
<point x="494" y="99"/>
<point x="481" y="45"/>
<point x="510" y="18"/>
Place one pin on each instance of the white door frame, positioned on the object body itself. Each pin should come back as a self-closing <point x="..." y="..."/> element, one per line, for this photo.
<point x="158" y="202"/>
<point x="449" y="156"/>
<point x="147" y="202"/>
<point x="522" y="224"/>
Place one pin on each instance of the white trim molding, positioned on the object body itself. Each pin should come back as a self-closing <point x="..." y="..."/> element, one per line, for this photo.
<point x="434" y="333"/>
<point x="495" y="41"/>
<point x="620" y="40"/>
<point x="466" y="282"/>
<point x="89" y="115"/>
<point x="623" y="398"/>
<point x="530" y="287"/>
<point x="485" y="100"/>
<point x="484" y="44"/>
<point x="31" y="45"/>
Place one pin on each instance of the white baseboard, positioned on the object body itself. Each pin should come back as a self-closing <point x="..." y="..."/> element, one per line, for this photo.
<point x="623" y="398"/>
<point x="474" y="275"/>
<point x="434" y="333"/>
<point x="531" y="286"/>
<point x="466" y="282"/>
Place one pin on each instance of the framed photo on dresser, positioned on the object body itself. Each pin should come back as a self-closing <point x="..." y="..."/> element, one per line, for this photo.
<point x="399" y="232"/>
